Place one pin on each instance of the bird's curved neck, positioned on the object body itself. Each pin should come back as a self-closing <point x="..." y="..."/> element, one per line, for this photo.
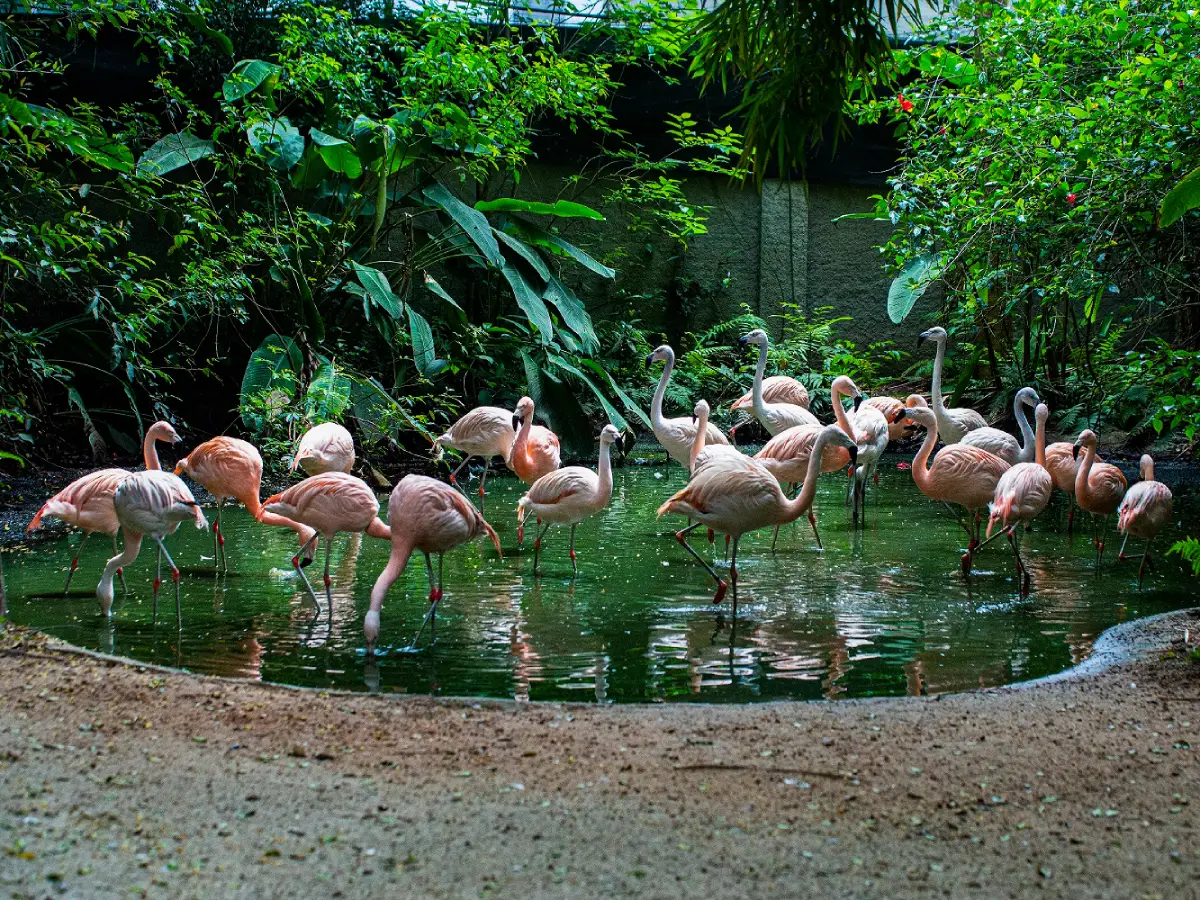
<point x="936" y="387"/>
<point x="656" y="405"/>
<point x="839" y="412"/>
<point x="605" y="485"/>
<point x="1148" y="470"/>
<point x="919" y="472"/>
<point x="1027" y="436"/>
<point x="757" y="396"/>
<point x="150" y="452"/>
<point x="1039" y="444"/>
<point x="1082" y="472"/>
<point x="804" y="500"/>
<point x="698" y="441"/>
<point x="523" y="433"/>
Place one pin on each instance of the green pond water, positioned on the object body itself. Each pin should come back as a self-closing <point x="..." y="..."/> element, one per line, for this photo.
<point x="882" y="611"/>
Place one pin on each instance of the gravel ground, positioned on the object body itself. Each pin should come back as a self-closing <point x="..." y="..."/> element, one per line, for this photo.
<point x="119" y="779"/>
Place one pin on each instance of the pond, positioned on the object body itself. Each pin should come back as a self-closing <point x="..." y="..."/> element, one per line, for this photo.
<point x="882" y="611"/>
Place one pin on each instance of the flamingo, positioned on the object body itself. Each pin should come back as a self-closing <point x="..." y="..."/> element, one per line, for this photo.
<point x="960" y="474"/>
<point x="87" y="502"/>
<point x="1099" y="487"/>
<point x="737" y="500"/>
<point x="329" y="503"/>
<point x="871" y="430"/>
<point x="775" y="417"/>
<point x="1021" y="494"/>
<point x="535" y="451"/>
<point x="1144" y="511"/>
<point x="568" y="496"/>
<point x="890" y="408"/>
<point x="786" y="455"/>
<point x="776" y="389"/>
<point x="228" y="467"/>
<point x="327" y="447"/>
<point x="1001" y="443"/>
<point x="952" y="423"/>
<point x="425" y="515"/>
<point x="675" y="435"/>
<point x="152" y="503"/>
<point x="485" y="431"/>
<point x="1062" y="465"/>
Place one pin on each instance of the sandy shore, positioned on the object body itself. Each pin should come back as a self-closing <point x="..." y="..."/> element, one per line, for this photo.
<point x="121" y="780"/>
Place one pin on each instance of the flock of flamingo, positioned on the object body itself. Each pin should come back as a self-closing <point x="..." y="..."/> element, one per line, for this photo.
<point x="977" y="468"/>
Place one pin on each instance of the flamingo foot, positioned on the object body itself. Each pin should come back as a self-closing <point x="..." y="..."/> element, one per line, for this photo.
<point x="712" y="536"/>
<point x="721" y="588"/>
<point x="966" y="563"/>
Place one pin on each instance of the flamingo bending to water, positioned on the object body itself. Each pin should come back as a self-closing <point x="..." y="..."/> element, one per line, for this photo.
<point x="485" y="431"/>
<point x="1021" y="494"/>
<point x="568" y="496"/>
<point x="1144" y="511"/>
<point x="149" y="503"/>
<point x="737" y="500"/>
<point x="960" y="474"/>
<point x="956" y="422"/>
<point x="1001" y="443"/>
<point x="431" y="517"/>
<point x="87" y="502"/>
<point x="675" y="435"/>
<point x="329" y="503"/>
<point x="327" y="447"/>
<point x="775" y="417"/>
<point x="228" y="467"/>
<point x="1099" y="487"/>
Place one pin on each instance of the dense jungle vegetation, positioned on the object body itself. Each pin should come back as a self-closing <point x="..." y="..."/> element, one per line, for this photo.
<point x="310" y="210"/>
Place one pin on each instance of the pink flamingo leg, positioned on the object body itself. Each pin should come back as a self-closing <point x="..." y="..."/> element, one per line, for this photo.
<point x="574" y="567"/>
<point x="300" y="570"/>
<point x="75" y="561"/>
<point x="1145" y="561"/>
<point x="162" y="551"/>
<point x="812" y="520"/>
<point x="681" y="536"/>
<point x="537" y="546"/>
<point x="733" y="574"/>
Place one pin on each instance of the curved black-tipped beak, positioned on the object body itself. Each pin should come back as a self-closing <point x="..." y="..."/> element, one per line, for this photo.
<point x="898" y="418"/>
<point x="742" y="341"/>
<point x="921" y="338"/>
<point x="1075" y="451"/>
<point x="695" y="418"/>
<point x="853" y="455"/>
<point x="858" y="401"/>
<point x="649" y="360"/>
<point x="516" y="423"/>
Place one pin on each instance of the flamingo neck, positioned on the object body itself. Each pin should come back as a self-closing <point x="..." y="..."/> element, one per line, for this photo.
<point x="936" y="386"/>
<point x="657" y="421"/>
<point x="1147" y="469"/>
<point x="698" y="441"/>
<point x="1082" y="472"/>
<point x="757" y="396"/>
<point x="919" y="472"/>
<point x="150" y="452"/>
<point x="1039" y="444"/>
<point x="804" y="500"/>
<point x="523" y="434"/>
<point x="1027" y="436"/>
<point x="605" y="485"/>
<point x="397" y="562"/>
<point x="839" y="412"/>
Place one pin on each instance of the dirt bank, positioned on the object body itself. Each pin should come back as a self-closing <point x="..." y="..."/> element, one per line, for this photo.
<point x="118" y="778"/>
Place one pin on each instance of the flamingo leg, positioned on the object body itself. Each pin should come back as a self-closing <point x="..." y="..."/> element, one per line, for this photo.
<point x="75" y="561"/>
<point x="162" y="550"/>
<point x="120" y="571"/>
<point x="300" y="570"/>
<point x="812" y="520"/>
<point x="435" y="594"/>
<point x="1100" y="546"/>
<point x="482" y="483"/>
<point x="574" y="567"/>
<point x="775" y="537"/>
<point x="433" y="588"/>
<point x="537" y="545"/>
<point x="1145" y="560"/>
<point x="221" y="538"/>
<point x="1121" y="554"/>
<point x="726" y="548"/>
<point x="157" y="584"/>
<point x="454" y="474"/>
<point x="681" y="536"/>
<point x="328" y="580"/>
<point x="1071" y="515"/>
<point x="733" y="574"/>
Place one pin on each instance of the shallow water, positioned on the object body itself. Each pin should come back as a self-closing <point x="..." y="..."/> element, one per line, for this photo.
<point x="882" y="611"/>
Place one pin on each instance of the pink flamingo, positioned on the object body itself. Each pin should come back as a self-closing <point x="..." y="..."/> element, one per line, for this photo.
<point x="432" y="517"/>
<point x="960" y="474"/>
<point x="890" y="408"/>
<point x="149" y="503"/>
<point x="1021" y="494"/>
<point x="1063" y="465"/>
<point x="738" y="499"/>
<point x="87" y="502"/>
<point x="775" y="417"/>
<point x="1099" y="487"/>
<point x="329" y="503"/>
<point x="327" y="447"/>
<point x="535" y="451"/>
<point x="776" y="389"/>
<point x="1145" y="511"/>
<point x="485" y="431"/>
<point x="952" y="423"/>
<point x="568" y="496"/>
<point x="228" y="467"/>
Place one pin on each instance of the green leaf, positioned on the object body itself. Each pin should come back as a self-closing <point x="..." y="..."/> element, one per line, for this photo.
<point x="378" y="289"/>
<point x="247" y="75"/>
<point x="338" y="154"/>
<point x="531" y="304"/>
<point x="609" y="410"/>
<point x="1182" y="198"/>
<point x="573" y="313"/>
<point x="910" y="284"/>
<point x="438" y="290"/>
<point x="630" y="405"/>
<point x="274" y="369"/>
<point x="374" y="408"/>
<point x="564" y="208"/>
<point x="277" y="141"/>
<point x="422" y="343"/>
<point x="328" y="395"/>
<point x="174" y="152"/>
<point x="526" y="252"/>
<point x="532" y="234"/>
<point x="471" y="221"/>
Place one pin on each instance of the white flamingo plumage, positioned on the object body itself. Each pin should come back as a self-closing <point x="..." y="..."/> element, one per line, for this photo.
<point x="1144" y="511"/>
<point x="568" y="496"/>
<point x="1002" y="444"/>
<point x="327" y="447"/>
<point x="1021" y="494"/>
<point x="775" y="417"/>
<point x="1099" y="487"/>
<point x="428" y="516"/>
<point x="677" y="434"/>
<point x="953" y="423"/>
<point x="485" y="431"/>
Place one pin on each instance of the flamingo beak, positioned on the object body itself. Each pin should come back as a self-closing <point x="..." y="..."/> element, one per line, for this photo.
<point x="1075" y="451"/>
<point x="853" y="456"/>
<point x="858" y="401"/>
<point x="742" y="341"/>
<point x="649" y="360"/>
<point x="516" y="423"/>
<point x="922" y="338"/>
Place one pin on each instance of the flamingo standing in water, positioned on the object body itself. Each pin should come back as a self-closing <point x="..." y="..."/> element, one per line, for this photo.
<point x="960" y="474"/>
<point x="1144" y="511"/>
<point x="485" y="431"/>
<point x="1062" y="464"/>
<point x="327" y="447"/>
<point x="952" y="423"/>
<point x="871" y="431"/>
<point x="1001" y="443"/>
<point x="425" y="515"/>
<point x="329" y="503"/>
<point x="228" y="467"/>
<point x="87" y="502"/>
<point x="535" y="451"/>
<point x="1021" y="494"/>
<point x="149" y="503"/>
<point x="675" y="435"/>
<point x="1099" y="487"/>
<point x="568" y="496"/>
<point x="738" y="499"/>
<point x="775" y="417"/>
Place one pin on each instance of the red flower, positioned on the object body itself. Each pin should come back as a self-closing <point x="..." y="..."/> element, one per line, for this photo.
<point x="1071" y="199"/>
<point x="903" y="466"/>
<point x="905" y="105"/>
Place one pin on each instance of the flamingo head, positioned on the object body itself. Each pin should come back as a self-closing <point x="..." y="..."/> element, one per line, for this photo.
<point x="1087" y="441"/>
<point x="834" y="436"/>
<point x="844" y="386"/>
<point x="920" y="416"/>
<point x="609" y="435"/>
<point x="701" y="411"/>
<point x="662" y="353"/>
<point x="1027" y="396"/>
<point x="1041" y="414"/>
<point x="163" y="431"/>
<point x="914" y="400"/>
<point x="757" y="337"/>
<point x="936" y="334"/>
<point x="523" y="411"/>
<point x="371" y="630"/>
